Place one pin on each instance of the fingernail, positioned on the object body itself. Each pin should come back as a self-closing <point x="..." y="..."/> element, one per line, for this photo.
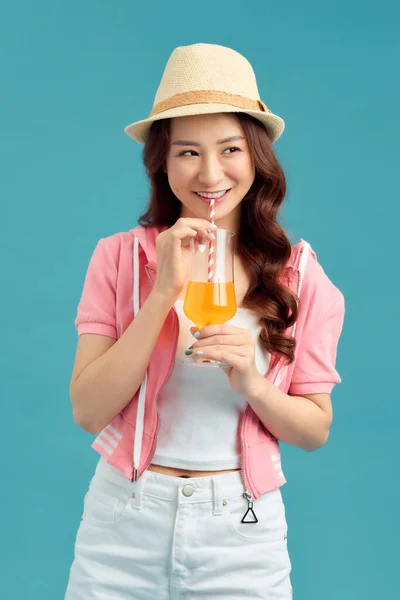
<point x="197" y="335"/>
<point x="213" y="226"/>
<point x="199" y="353"/>
<point x="188" y="352"/>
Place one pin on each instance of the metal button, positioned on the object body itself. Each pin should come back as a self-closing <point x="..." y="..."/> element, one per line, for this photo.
<point x="188" y="490"/>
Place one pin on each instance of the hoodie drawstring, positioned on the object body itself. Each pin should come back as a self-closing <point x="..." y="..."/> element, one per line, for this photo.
<point x="137" y="449"/>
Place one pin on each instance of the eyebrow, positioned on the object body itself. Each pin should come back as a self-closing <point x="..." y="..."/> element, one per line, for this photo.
<point x="225" y="141"/>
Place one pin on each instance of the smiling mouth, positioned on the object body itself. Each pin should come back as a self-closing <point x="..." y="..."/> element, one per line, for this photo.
<point x="217" y="199"/>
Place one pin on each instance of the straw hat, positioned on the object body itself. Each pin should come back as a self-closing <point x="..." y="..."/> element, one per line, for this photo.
<point x="204" y="79"/>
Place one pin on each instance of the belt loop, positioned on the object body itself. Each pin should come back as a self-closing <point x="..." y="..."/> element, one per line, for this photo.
<point x="137" y="490"/>
<point x="217" y="498"/>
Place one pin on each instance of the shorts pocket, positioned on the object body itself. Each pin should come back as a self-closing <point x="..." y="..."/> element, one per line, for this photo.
<point x="101" y="507"/>
<point x="270" y="512"/>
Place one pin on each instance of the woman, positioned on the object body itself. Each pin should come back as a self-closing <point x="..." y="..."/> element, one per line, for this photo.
<point x="186" y="500"/>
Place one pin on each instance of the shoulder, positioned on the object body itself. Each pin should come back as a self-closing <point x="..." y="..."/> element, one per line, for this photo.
<point x="122" y="241"/>
<point x="117" y="250"/>
<point x="113" y="242"/>
<point x="318" y="289"/>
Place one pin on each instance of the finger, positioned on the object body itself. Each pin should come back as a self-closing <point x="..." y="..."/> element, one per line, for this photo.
<point x="222" y="340"/>
<point x="205" y="234"/>
<point x="215" y="352"/>
<point x="222" y="329"/>
<point x="186" y="233"/>
<point x="202" y="227"/>
<point x="195" y="223"/>
<point x="229" y="356"/>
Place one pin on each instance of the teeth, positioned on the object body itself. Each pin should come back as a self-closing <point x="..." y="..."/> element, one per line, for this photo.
<point x="215" y="195"/>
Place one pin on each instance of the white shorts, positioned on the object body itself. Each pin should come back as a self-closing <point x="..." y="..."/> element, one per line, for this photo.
<point x="165" y="537"/>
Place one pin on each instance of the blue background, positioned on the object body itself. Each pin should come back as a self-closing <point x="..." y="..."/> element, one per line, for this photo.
<point x="74" y="74"/>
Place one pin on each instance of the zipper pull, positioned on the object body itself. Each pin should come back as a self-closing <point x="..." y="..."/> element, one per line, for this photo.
<point x="250" y="510"/>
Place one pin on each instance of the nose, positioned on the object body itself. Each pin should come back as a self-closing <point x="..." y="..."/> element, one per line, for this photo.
<point x="210" y="172"/>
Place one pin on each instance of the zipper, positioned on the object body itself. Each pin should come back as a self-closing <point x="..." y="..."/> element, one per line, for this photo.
<point x="247" y="494"/>
<point x="137" y="474"/>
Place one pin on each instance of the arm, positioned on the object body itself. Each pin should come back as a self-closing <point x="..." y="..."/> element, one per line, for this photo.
<point x="108" y="372"/>
<point x="101" y="388"/>
<point x="301" y="421"/>
<point x="303" y="416"/>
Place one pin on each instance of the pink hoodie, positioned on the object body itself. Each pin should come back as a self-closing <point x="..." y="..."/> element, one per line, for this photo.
<point x="120" y="276"/>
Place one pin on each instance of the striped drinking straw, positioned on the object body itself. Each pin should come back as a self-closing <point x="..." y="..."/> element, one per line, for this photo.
<point x="211" y="252"/>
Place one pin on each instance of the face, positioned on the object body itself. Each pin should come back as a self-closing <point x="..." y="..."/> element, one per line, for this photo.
<point x="207" y="154"/>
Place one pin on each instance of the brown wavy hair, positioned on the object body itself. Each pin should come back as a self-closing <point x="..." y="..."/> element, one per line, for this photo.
<point x="262" y="245"/>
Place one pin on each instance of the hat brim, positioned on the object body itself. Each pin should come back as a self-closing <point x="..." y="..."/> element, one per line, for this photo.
<point x="138" y="131"/>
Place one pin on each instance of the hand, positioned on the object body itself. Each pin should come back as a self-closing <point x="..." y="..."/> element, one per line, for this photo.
<point x="171" y="246"/>
<point x="234" y="346"/>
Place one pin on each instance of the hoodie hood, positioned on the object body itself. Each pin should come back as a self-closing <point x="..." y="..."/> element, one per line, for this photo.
<point x="147" y="239"/>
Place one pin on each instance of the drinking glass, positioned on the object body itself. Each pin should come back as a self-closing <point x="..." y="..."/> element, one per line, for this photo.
<point x="210" y="296"/>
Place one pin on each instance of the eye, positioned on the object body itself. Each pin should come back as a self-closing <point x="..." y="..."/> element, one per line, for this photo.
<point x="234" y="148"/>
<point x="186" y="152"/>
<point x="191" y="152"/>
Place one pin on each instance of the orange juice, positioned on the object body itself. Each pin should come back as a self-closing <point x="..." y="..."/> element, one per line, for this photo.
<point x="209" y="303"/>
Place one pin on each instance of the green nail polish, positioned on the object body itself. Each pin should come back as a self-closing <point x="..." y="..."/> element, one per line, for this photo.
<point x="188" y="352"/>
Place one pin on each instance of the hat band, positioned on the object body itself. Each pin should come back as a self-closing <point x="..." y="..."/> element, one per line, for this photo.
<point x="208" y="97"/>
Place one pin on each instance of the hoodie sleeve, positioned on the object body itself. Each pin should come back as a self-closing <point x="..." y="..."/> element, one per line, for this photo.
<point x="97" y="307"/>
<point x="315" y="357"/>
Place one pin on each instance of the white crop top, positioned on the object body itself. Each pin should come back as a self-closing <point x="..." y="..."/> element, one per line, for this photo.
<point x="199" y="412"/>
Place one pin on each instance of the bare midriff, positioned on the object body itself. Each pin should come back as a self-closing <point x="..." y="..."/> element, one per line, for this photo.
<point x="172" y="472"/>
